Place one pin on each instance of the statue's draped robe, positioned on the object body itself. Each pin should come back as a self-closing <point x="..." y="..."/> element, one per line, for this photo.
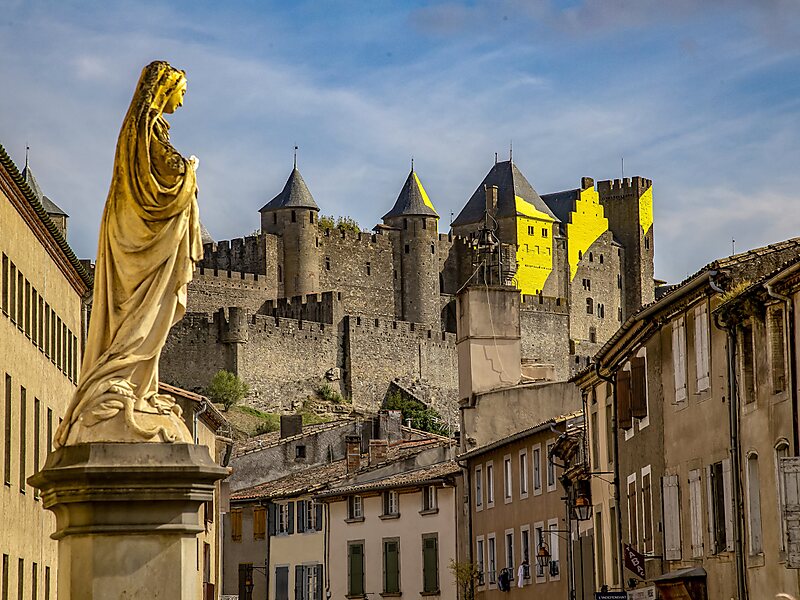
<point x="149" y="242"/>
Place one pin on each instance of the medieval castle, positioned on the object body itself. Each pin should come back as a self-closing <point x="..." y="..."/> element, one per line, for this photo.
<point x="297" y="305"/>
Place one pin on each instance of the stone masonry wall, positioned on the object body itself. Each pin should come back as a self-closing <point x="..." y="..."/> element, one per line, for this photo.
<point x="209" y="290"/>
<point x="544" y="330"/>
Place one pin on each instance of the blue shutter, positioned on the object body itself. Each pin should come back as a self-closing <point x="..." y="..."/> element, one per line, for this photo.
<point x="290" y="527"/>
<point x="298" y="582"/>
<point x="301" y="516"/>
<point x="318" y="523"/>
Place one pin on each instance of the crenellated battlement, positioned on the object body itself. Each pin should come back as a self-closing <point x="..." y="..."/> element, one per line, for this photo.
<point x="321" y="308"/>
<point x="383" y="327"/>
<point x="251" y="280"/>
<point x="544" y="304"/>
<point x="362" y="237"/>
<point x="247" y="254"/>
<point x="620" y="186"/>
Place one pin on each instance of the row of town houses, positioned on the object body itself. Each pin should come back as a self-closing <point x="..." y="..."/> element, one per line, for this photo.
<point x="665" y="469"/>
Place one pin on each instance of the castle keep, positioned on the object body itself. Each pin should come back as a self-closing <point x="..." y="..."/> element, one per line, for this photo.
<point x="298" y="305"/>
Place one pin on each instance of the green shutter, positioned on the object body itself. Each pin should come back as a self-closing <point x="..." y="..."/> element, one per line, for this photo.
<point x="356" y="552"/>
<point x="430" y="562"/>
<point x="391" y="566"/>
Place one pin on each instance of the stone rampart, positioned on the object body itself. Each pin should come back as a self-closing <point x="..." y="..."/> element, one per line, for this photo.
<point x="322" y="308"/>
<point x="212" y="288"/>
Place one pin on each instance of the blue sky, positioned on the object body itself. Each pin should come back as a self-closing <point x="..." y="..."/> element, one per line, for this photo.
<point x="701" y="97"/>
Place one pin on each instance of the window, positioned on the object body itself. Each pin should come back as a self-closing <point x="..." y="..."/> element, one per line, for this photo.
<point x="369" y="269"/>
<point x="538" y="530"/>
<point x="433" y="247"/>
<point x="695" y="510"/>
<point x="282" y="583"/>
<point x="7" y="453"/>
<point x="551" y="468"/>
<point x="280" y="274"/>
<point x="430" y="563"/>
<point x="592" y="335"/>
<point x="777" y="349"/>
<point x="478" y="488"/>
<point x="311" y="216"/>
<point x="327" y="263"/>
<point x="490" y="484"/>
<point x="531" y="230"/>
<point x="647" y="511"/>
<point x="525" y="549"/>
<point x="537" y="469"/>
<point x="591" y="256"/>
<point x="49" y="429"/>
<point x="355" y="507"/>
<point x="23" y="432"/>
<point x="405" y="223"/>
<point x="544" y="232"/>
<point x="236" y="525"/>
<point x="355" y="568"/>
<point x="720" y="513"/>
<point x="391" y="503"/>
<point x="646" y="242"/>
<point x="510" y="551"/>
<point x="294" y="217"/>
<point x="284" y="518"/>
<point x="589" y="306"/>
<point x="479" y="559"/>
<point x="4" y="275"/>
<point x="300" y="451"/>
<point x="753" y="505"/>
<point x="492" y="559"/>
<point x="507" y="485"/>
<point x="672" y="517"/>
<point x="612" y="523"/>
<point x="259" y="523"/>
<point x="555" y="563"/>
<point x="781" y="451"/>
<point x="47" y="583"/>
<point x="523" y="473"/>
<point x="594" y="434"/>
<point x="308" y="582"/>
<point x="12" y="293"/>
<point x="424" y="223"/>
<point x="429" y="499"/>
<point x="633" y="520"/>
<point x="407" y="249"/>
<point x="5" y="574"/>
<point x="746" y="366"/>
<point x="391" y="566"/>
<point x="679" y="358"/>
<point x="599" y="544"/>
<point x="21" y="578"/>
<point x="701" y="349"/>
<point x="309" y="516"/>
<point x="639" y="400"/>
<point x="601" y="259"/>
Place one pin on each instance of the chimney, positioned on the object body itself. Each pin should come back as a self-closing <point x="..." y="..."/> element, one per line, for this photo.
<point x="491" y="198"/>
<point x="487" y="339"/>
<point x="378" y="451"/>
<point x="291" y="425"/>
<point x="391" y="422"/>
<point x="353" y="445"/>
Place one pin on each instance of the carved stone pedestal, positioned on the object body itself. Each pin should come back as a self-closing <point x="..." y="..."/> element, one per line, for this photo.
<point x="127" y="518"/>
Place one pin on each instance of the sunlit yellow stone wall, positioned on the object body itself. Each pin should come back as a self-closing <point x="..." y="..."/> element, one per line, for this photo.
<point x="534" y="247"/>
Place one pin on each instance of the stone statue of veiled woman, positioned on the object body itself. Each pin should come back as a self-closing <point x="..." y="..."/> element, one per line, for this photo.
<point x="149" y="243"/>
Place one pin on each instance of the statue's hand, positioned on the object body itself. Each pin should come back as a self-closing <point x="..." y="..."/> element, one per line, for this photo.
<point x="195" y="162"/>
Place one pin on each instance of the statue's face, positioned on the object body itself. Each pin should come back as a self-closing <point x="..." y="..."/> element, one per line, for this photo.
<point x="176" y="100"/>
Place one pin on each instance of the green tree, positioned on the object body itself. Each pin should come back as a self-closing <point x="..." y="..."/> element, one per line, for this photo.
<point x="465" y="575"/>
<point x="421" y="417"/>
<point x="227" y="389"/>
<point x="340" y="223"/>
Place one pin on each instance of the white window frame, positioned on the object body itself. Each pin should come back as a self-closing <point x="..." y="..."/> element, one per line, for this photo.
<point x="393" y="502"/>
<point x="537" y="527"/>
<point x="430" y="498"/>
<point x="555" y="550"/>
<point x="480" y="551"/>
<point x="491" y="557"/>
<point x="536" y="461"/>
<point x="508" y="479"/>
<point x="478" y="488"/>
<point x="490" y="484"/>
<point x="509" y="557"/>
<point x="524" y="483"/>
<point x="523" y="531"/>
<point x="679" y="358"/>
<point x="282" y="520"/>
<point x="357" y="506"/>
<point x="702" y="348"/>
<point x="551" y="468"/>
<point x="647" y="470"/>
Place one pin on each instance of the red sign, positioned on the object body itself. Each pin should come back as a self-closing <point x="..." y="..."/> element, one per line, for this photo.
<point x="634" y="561"/>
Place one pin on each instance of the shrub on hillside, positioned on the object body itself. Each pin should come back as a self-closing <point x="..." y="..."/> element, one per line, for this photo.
<point x="227" y="389"/>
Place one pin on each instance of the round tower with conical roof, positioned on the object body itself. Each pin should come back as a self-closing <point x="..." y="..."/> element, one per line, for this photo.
<point x="293" y="215"/>
<point x="415" y="222"/>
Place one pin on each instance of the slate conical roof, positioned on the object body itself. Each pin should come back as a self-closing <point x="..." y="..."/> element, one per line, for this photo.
<point x="515" y="196"/>
<point x="50" y="207"/>
<point x="295" y="194"/>
<point x="412" y="201"/>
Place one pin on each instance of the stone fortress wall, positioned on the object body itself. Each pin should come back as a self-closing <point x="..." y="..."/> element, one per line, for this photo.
<point x="352" y="334"/>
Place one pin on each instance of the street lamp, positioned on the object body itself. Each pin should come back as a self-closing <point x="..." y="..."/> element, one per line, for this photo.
<point x="582" y="508"/>
<point x="542" y="556"/>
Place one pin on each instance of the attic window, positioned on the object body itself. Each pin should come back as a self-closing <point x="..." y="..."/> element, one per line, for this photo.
<point x="300" y="451"/>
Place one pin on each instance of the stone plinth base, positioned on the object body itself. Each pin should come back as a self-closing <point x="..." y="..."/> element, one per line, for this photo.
<point x="127" y="518"/>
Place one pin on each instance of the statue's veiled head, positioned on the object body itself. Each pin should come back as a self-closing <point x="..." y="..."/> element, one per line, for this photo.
<point x="162" y="87"/>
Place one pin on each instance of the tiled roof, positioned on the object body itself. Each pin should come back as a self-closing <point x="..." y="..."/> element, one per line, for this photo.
<point x="49" y="206"/>
<point x="562" y="203"/>
<point x="211" y="412"/>
<point x="295" y="194"/>
<point x="520" y="434"/>
<point x="273" y="438"/>
<point x="511" y="184"/>
<point x="407" y="478"/>
<point x="413" y="200"/>
<point x="8" y="164"/>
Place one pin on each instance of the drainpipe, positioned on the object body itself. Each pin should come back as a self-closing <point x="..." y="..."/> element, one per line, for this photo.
<point x="617" y="501"/>
<point x="733" y="419"/>
<point x="792" y="358"/>
<point x="197" y="413"/>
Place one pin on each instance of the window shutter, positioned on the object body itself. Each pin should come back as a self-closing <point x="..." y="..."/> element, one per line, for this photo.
<point x="356" y="570"/>
<point x="695" y="505"/>
<point x="638" y="388"/>
<point x="282" y="583"/>
<point x="789" y="472"/>
<point x="727" y="490"/>
<point x="710" y="501"/>
<point x="290" y="525"/>
<point x="624" y="417"/>
<point x="679" y="358"/>
<point x="259" y="525"/>
<point x="672" y="517"/>
<point x="236" y="525"/>
<point x="298" y="582"/>
<point x="320" y="573"/>
<point x="391" y="582"/>
<point x="271" y="519"/>
<point x="301" y="516"/>
<point x="701" y="346"/>
<point x="318" y="521"/>
<point x="430" y="575"/>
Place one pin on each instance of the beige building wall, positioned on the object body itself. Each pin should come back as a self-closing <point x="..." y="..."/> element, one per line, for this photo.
<point x="37" y="381"/>
<point x="290" y="550"/>
<point x="409" y="528"/>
